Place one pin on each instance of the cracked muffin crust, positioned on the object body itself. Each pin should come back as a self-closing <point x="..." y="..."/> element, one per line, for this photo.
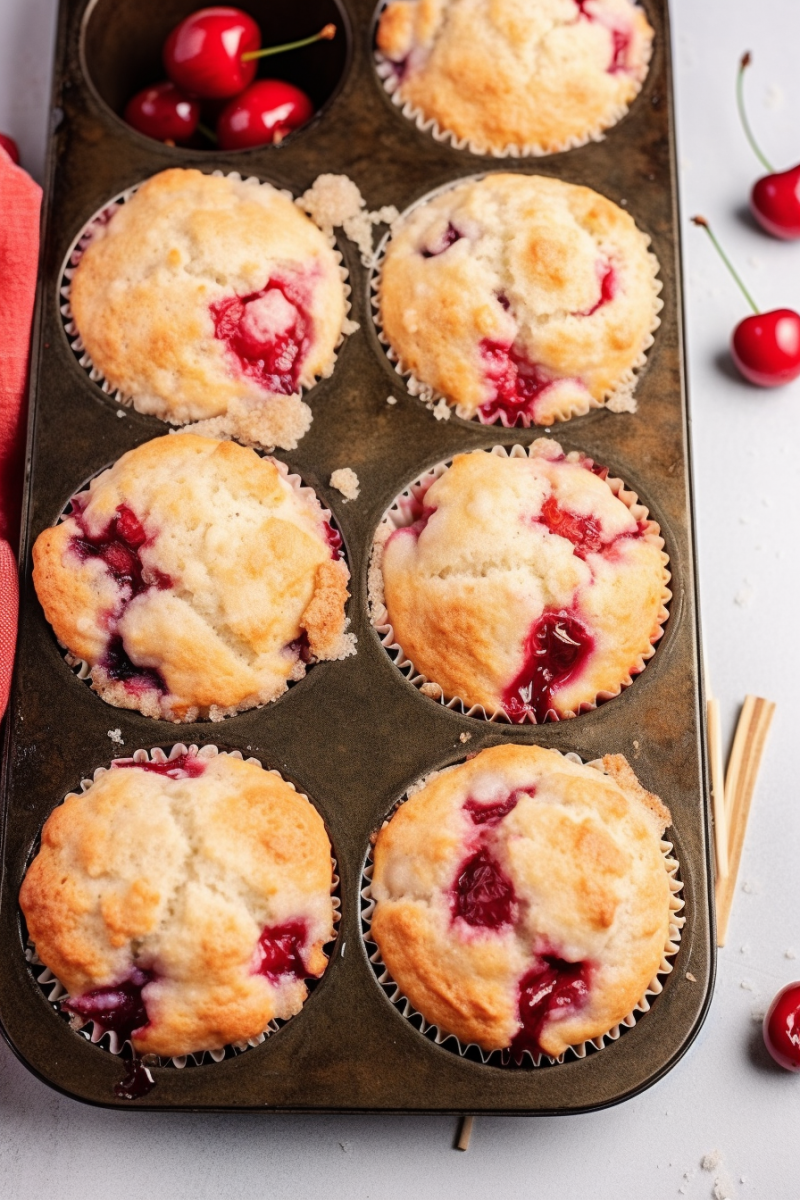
<point x="533" y="75"/>
<point x="522" y="900"/>
<point x="534" y="586"/>
<point x="212" y="299"/>
<point x="520" y="298"/>
<point x="194" y="579"/>
<point x="182" y="903"/>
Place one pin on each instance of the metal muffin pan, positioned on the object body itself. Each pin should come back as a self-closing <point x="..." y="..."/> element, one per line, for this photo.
<point x="354" y="734"/>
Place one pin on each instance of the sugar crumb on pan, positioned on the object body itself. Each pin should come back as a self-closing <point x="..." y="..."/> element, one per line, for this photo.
<point x="335" y="202"/>
<point x="345" y="481"/>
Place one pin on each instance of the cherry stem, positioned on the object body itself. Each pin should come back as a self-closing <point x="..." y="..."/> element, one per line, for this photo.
<point x="206" y="132"/>
<point x="324" y="35"/>
<point x="703" y="223"/>
<point x="743" y="65"/>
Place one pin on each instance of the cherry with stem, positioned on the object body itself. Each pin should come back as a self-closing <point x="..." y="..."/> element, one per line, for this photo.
<point x="765" y="346"/>
<point x="775" y="197"/>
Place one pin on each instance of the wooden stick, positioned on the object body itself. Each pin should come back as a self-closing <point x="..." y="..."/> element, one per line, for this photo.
<point x="740" y="783"/>
<point x="717" y="789"/>
<point x="464" y="1133"/>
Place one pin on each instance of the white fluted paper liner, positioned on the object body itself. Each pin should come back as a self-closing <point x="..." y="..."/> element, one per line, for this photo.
<point x="86" y="236"/>
<point x="83" y="670"/>
<point x="405" y="510"/>
<point x="109" y="1040"/>
<point x="620" y="399"/>
<point x="449" y="1041"/>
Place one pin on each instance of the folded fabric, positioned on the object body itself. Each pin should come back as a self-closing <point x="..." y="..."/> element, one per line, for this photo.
<point x="20" y="201"/>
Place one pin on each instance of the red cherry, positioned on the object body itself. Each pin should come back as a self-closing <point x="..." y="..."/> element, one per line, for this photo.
<point x="163" y="112"/>
<point x="766" y="347"/>
<point x="10" y="146"/>
<point x="775" y="203"/>
<point x="782" y="1027"/>
<point x="775" y="198"/>
<point x="203" y="54"/>
<point x="263" y="115"/>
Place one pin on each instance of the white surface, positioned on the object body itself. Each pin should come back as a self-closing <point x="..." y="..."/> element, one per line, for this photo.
<point x="724" y="1095"/>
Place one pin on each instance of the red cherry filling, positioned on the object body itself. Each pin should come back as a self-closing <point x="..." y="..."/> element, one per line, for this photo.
<point x="118" y="546"/>
<point x="584" y="532"/>
<point x="517" y="382"/>
<point x="552" y="988"/>
<point x="620" y="40"/>
<point x="492" y="813"/>
<point x="183" y="766"/>
<point x="556" y="648"/>
<point x="267" y="333"/>
<point x="608" y="290"/>
<point x="334" y="540"/>
<point x="119" y="666"/>
<point x="119" y="1007"/>
<point x="446" y="240"/>
<point x="280" y="951"/>
<point x="482" y="894"/>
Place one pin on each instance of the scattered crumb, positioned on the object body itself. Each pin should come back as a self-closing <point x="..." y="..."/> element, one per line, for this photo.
<point x="747" y="986"/>
<point x="750" y="888"/>
<point x="334" y="201"/>
<point x="745" y="949"/>
<point x="431" y="689"/>
<point x="464" y="737"/>
<point x="345" y="481"/>
<point x="120" y="412"/>
<point x="757" y="1013"/>
<point x="744" y="595"/>
<point x="692" y="978"/>
<point x="346" y="1147"/>
<point x="721" y="1190"/>
<point x="790" y="954"/>
<point x="621" y="402"/>
<point x="391" y="399"/>
<point x="116" y="736"/>
<point x="441" y="410"/>
<point x="710" y="1161"/>
<point x="349" y="326"/>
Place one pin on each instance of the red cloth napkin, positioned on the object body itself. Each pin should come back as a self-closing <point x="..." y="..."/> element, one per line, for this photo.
<point x="20" y="200"/>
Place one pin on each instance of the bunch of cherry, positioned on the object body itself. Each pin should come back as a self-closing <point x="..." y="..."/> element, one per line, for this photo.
<point x="212" y="57"/>
<point x="766" y="346"/>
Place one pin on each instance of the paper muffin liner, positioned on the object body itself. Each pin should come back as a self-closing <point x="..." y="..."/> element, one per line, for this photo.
<point x="87" y="234"/>
<point x="502" y="1058"/>
<point x="82" y="669"/>
<point x="620" y="399"/>
<point x="406" y="508"/>
<point x="54" y="990"/>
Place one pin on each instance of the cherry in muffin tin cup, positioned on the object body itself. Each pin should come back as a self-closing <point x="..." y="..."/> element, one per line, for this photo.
<point x="109" y="1039"/>
<point x="409" y="508"/>
<point x="567" y="397"/>
<point x="96" y="223"/>
<point x="527" y="1058"/>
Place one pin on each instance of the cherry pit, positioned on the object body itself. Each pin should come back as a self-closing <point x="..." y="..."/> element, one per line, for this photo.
<point x="211" y="97"/>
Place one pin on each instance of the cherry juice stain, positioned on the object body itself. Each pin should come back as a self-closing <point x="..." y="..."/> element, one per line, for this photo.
<point x="118" y="1007"/>
<point x="620" y="40"/>
<point x="608" y="290"/>
<point x="556" y="648"/>
<point x="137" y="1083"/>
<point x="334" y="540"/>
<point x="554" y="987"/>
<point x="517" y="382"/>
<point x="492" y="813"/>
<point x="183" y="766"/>
<point x="280" y="951"/>
<point x="267" y="332"/>
<point x="482" y="894"/>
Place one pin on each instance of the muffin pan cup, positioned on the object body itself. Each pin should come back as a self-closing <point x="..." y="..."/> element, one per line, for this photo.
<point x="354" y="734"/>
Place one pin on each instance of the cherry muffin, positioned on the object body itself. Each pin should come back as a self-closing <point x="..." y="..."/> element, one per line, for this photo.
<point x="520" y="299"/>
<point x="523" y="901"/>
<point x="182" y="903"/>
<point x="208" y="298"/>
<point x="534" y="586"/>
<point x="194" y="579"/>
<point x="524" y="76"/>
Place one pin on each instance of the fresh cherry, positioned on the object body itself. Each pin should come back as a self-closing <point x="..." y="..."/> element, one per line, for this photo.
<point x="263" y="115"/>
<point x="203" y="54"/>
<point x="775" y="198"/>
<point x="766" y="346"/>
<point x="163" y="112"/>
<point x="10" y="146"/>
<point x="782" y="1027"/>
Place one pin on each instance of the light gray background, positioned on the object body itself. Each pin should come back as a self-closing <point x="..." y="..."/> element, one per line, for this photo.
<point x="725" y="1095"/>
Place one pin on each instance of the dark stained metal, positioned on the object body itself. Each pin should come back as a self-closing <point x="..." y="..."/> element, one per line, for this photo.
<point x="353" y="734"/>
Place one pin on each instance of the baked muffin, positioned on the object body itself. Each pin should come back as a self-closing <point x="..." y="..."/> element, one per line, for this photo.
<point x="182" y="903"/>
<point x="533" y="586"/>
<point x="523" y="900"/>
<point x="194" y="580"/>
<point x="520" y="298"/>
<point x="212" y="299"/>
<point x="529" y="76"/>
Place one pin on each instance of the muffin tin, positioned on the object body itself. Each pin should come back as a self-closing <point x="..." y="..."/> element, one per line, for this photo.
<point x="354" y="734"/>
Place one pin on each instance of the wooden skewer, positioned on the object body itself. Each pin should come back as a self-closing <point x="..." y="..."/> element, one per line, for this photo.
<point x="717" y="789"/>
<point x="465" y="1133"/>
<point x="748" y="748"/>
